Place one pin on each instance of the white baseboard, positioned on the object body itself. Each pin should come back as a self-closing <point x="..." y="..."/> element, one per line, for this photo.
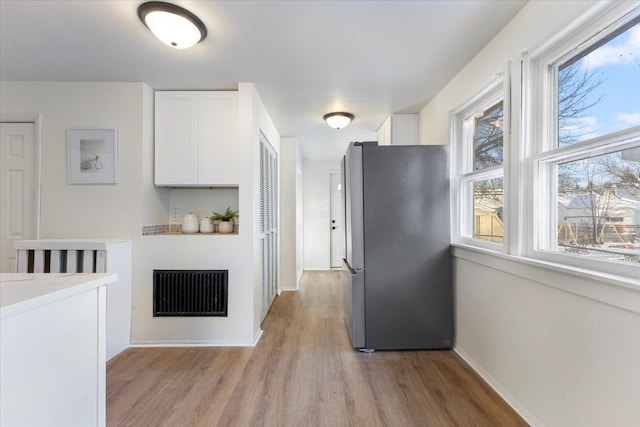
<point x="497" y="387"/>
<point x="197" y="343"/>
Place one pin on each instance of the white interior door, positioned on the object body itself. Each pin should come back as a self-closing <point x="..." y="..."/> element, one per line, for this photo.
<point x="18" y="195"/>
<point x="268" y="224"/>
<point x="337" y="221"/>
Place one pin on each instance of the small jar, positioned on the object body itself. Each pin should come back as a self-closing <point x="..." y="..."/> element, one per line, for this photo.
<point x="190" y="223"/>
<point x="225" y="227"/>
<point x="206" y="226"/>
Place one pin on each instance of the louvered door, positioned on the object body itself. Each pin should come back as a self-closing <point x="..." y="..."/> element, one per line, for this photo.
<point x="268" y="224"/>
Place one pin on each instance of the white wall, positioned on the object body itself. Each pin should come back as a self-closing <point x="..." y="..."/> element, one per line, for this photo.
<point x="119" y="211"/>
<point x="202" y="201"/>
<point x="155" y="200"/>
<point x="532" y="26"/>
<point x="561" y="358"/>
<point x="254" y="121"/>
<point x="289" y="194"/>
<point x="100" y="211"/>
<point x="317" y="196"/>
<point x="198" y="252"/>
<point x="240" y="254"/>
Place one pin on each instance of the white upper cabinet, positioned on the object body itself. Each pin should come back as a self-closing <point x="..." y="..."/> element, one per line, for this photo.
<point x="399" y="129"/>
<point x="196" y="138"/>
<point x="176" y="138"/>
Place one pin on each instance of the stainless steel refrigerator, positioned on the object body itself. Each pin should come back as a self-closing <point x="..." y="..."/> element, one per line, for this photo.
<point x="397" y="274"/>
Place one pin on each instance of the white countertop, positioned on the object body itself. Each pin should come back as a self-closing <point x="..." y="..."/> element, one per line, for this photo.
<point x="20" y="292"/>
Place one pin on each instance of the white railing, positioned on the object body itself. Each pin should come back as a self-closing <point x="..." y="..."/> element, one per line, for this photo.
<point x="88" y="256"/>
<point x="57" y="256"/>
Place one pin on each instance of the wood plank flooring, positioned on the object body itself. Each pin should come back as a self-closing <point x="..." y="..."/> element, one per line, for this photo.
<point x="303" y="372"/>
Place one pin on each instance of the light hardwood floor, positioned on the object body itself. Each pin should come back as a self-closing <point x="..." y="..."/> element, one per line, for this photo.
<point x="303" y="372"/>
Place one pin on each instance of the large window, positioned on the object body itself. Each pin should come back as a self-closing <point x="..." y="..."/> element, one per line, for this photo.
<point x="586" y="150"/>
<point x="478" y="169"/>
<point x="546" y="161"/>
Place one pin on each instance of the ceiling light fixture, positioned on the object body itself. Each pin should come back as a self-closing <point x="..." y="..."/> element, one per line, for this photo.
<point x="173" y="25"/>
<point x="338" y="120"/>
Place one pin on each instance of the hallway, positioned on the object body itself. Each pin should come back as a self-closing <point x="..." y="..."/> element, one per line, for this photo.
<point x="303" y="372"/>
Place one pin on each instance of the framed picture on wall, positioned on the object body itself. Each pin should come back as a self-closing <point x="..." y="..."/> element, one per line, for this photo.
<point x="93" y="156"/>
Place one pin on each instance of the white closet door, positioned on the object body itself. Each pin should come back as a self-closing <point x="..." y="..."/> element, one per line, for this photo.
<point x="268" y="224"/>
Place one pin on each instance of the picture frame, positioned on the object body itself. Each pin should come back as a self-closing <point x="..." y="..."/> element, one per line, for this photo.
<point x="93" y="156"/>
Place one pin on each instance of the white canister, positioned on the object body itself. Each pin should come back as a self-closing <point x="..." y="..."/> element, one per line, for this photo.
<point x="190" y="223"/>
<point x="206" y="226"/>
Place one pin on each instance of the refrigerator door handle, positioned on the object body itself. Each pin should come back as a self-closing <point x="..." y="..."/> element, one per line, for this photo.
<point x="353" y="300"/>
<point x="346" y="264"/>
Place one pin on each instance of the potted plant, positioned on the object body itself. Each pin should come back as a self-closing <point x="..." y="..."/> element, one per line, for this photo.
<point x="225" y="220"/>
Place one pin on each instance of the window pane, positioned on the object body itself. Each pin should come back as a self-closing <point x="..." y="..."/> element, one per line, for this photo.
<point x="487" y="138"/>
<point x="488" y="209"/>
<point x="599" y="206"/>
<point x="599" y="90"/>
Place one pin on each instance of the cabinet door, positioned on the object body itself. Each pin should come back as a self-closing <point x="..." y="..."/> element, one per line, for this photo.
<point x="218" y="136"/>
<point x="176" y="138"/>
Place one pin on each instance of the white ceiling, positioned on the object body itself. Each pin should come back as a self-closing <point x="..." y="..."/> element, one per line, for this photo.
<point x="306" y="58"/>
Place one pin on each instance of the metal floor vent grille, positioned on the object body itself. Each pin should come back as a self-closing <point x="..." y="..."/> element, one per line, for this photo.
<point x="190" y="292"/>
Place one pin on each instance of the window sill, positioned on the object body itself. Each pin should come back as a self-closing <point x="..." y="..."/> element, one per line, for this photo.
<point x="618" y="291"/>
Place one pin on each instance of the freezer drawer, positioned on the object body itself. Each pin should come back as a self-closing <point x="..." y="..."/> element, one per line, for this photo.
<point x="353" y="300"/>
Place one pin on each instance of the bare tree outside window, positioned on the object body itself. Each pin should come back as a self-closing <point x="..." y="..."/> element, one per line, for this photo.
<point x="488" y="194"/>
<point x="599" y="196"/>
<point x="488" y="138"/>
<point x="576" y="89"/>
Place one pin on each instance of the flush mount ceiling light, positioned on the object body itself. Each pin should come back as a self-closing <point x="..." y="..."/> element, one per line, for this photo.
<point x="173" y="25"/>
<point x="338" y="120"/>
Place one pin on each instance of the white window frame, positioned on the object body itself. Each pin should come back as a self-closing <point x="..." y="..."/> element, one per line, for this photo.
<point x="462" y="173"/>
<point x="539" y="71"/>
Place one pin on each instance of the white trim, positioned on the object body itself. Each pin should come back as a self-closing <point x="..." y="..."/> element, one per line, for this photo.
<point x="461" y="161"/>
<point x="600" y="145"/>
<point x="515" y="213"/>
<point x="331" y="172"/>
<point x="479" y="243"/>
<point x="196" y="343"/>
<point x="607" y="11"/>
<point x="18" y="117"/>
<point x="498" y="388"/>
<point x="38" y="206"/>
<point x="482" y="174"/>
<point x="480" y="98"/>
<point x="614" y="290"/>
<point x="101" y="392"/>
<point x="614" y="268"/>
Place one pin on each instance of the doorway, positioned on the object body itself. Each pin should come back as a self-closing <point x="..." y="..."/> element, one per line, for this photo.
<point x="337" y="236"/>
<point x="18" y="177"/>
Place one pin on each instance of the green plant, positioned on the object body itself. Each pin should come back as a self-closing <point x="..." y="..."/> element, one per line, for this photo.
<point x="228" y="215"/>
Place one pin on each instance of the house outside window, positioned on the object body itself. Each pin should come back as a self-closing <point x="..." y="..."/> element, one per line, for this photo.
<point x="585" y="142"/>
<point x="478" y="168"/>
